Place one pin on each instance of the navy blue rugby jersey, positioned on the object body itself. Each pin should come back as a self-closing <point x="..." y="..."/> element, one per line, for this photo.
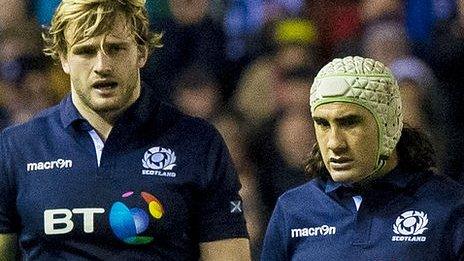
<point x="403" y="216"/>
<point x="165" y="183"/>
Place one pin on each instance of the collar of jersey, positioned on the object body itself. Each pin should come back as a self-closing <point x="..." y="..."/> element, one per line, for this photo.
<point x="396" y="179"/>
<point x="69" y="113"/>
<point x="139" y="112"/>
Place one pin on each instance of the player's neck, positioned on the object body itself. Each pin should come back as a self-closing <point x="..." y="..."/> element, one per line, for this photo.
<point x="102" y="123"/>
<point x="390" y="164"/>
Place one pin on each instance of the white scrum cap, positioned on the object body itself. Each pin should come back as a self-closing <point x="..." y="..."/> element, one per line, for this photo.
<point x="368" y="83"/>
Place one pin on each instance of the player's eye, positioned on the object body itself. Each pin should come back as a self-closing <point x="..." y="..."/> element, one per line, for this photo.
<point x="115" y="48"/>
<point x="322" y="122"/>
<point x="84" y="51"/>
<point x="350" y="121"/>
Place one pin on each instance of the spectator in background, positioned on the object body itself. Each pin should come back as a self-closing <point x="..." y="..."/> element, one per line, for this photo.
<point x="296" y="41"/>
<point x="246" y="21"/>
<point x="233" y="130"/>
<point x="294" y="138"/>
<point x="197" y="93"/>
<point x="31" y="95"/>
<point x="254" y="97"/>
<point x="18" y="41"/>
<point x="292" y="89"/>
<point x="446" y="57"/>
<point x="421" y="98"/>
<point x="190" y="37"/>
<point x="346" y="26"/>
<point x="425" y="105"/>
<point x="296" y="49"/>
<point x="338" y="23"/>
<point x="23" y="75"/>
<point x="270" y="144"/>
<point x="374" y="10"/>
<point x="18" y="52"/>
<point x="385" y="41"/>
<point x="12" y="14"/>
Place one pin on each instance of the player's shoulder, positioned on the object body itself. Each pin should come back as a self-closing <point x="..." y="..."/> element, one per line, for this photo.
<point x="442" y="188"/>
<point x="306" y="192"/>
<point x="193" y="126"/>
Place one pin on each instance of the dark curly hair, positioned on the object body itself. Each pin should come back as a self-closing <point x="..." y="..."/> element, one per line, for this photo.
<point x="415" y="153"/>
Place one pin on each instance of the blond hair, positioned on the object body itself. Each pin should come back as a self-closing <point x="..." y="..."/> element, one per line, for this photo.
<point x="95" y="17"/>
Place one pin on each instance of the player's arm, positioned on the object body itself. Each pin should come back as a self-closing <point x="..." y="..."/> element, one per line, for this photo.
<point x="219" y="220"/>
<point x="8" y="246"/>
<point x="234" y="249"/>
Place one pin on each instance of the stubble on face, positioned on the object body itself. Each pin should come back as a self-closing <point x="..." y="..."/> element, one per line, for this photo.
<point x="104" y="106"/>
<point x="104" y="71"/>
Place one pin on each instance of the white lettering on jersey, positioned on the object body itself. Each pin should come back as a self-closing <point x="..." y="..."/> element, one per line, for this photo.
<point x="59" y="221"/>
<point x="313" y="231"/>
<point x="410" y="226"/>
<point x="46" y="165"/>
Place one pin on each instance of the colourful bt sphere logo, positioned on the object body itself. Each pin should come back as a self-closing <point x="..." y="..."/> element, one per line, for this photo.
<point x="128" y="223"/>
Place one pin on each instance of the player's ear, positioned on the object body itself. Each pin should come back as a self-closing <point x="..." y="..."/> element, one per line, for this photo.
<point x="64" y="63"/>
<point x="142" y="55"/>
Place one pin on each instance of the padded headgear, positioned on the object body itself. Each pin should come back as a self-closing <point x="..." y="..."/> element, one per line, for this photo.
<point x="368" y="83"/>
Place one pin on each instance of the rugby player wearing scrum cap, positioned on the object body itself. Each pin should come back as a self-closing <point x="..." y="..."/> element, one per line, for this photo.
<point x="373" y="194"/>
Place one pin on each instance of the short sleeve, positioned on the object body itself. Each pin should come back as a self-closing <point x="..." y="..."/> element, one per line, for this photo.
<point x="7" y="201"/>
<point x="274" y="246"/>
<point x="218" y="207"/>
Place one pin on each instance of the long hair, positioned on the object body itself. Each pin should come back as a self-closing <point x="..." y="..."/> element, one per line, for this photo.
<point x="415" y="153"/>
<point x="94" y="17"/>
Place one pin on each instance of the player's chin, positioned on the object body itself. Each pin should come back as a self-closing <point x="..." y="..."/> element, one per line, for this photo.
<point x="107" y="105"/>
<point x="343" y="176"/>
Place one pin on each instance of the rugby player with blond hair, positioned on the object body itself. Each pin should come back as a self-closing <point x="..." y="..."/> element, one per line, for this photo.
<point x="112" y="172"/>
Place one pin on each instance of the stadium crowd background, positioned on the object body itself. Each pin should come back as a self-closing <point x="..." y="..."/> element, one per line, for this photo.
<point x="247" y="67"/>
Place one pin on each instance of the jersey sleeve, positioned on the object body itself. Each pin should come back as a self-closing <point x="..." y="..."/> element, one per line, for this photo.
<point x="274" y="245"/>
<point x="7" y="201"/>
<point x="219" y="209"/>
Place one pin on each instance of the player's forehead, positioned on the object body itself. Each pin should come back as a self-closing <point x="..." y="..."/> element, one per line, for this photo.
<point x="339" y="110"/>
<point x="118" y="31"/>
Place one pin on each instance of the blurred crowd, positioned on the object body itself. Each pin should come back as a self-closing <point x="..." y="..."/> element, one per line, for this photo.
<point x="247" y="67"/>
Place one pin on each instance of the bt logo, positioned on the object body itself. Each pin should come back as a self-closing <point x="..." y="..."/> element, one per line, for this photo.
<point x="127" y="223"/>
<point x="58" y="221"/>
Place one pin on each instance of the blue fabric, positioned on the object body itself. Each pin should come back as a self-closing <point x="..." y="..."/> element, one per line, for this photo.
<point x="318" y="221"/>
<point x="165" y="184"/>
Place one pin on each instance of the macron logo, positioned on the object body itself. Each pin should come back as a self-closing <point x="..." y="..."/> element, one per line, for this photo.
<point x="46" y="165"/>
<point x="313" y="231"/>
